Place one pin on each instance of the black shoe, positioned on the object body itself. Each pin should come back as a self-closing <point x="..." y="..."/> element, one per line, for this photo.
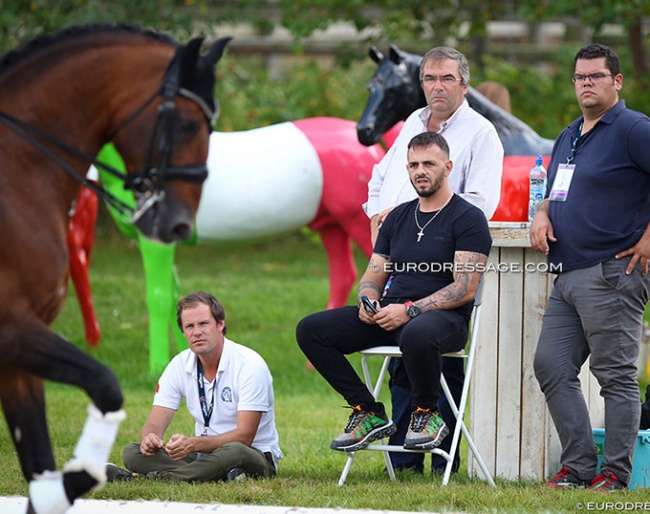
<point x="116" y="474"/>
<point x="236" y="475"/>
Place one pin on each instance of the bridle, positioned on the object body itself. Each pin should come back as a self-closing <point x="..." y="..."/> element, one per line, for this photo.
<point x="147" y="185"/>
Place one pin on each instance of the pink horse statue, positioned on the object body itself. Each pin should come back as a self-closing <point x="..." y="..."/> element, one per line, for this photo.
<point x="262" y="182"/>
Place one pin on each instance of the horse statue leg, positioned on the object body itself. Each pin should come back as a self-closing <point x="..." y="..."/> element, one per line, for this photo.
<point x="22" y="396"/>
<point x="161" y="294"/>
<point x="81" y="234"/>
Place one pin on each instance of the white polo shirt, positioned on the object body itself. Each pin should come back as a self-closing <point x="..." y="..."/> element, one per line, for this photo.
<point x="243" y="383"/>
<point x="474" y="148"/>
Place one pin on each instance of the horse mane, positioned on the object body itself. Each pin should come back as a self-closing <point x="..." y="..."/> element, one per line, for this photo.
<point x="42" y="41"/>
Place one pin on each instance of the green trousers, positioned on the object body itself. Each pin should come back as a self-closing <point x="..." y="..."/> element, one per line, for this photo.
<point x="204" y="467"/>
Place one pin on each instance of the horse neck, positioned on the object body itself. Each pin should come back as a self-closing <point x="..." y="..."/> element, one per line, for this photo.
<point x="87" y="93"/>
<point x="78" y="95"/>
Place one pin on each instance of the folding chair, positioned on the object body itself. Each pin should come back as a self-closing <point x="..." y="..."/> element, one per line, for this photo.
<point x="390" y="352"/>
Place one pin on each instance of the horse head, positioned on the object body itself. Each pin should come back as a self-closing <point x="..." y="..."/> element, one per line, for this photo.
<point x="395" y="93"/>
<point x="165" y="143"/>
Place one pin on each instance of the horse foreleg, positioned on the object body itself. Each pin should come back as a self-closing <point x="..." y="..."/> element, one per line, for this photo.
<point x="37" y="352"/>
<point x="23" y="402"/>
<point x="342" y="268"/>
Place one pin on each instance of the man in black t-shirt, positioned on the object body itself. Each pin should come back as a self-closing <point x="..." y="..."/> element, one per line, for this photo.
<point x="434" y="250"/>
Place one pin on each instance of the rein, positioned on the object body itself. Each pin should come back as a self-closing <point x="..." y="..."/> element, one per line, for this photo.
<point x="149" y="183"/>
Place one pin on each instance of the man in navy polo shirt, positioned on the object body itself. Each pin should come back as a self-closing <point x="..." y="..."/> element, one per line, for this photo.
<point x="594" y="228"/>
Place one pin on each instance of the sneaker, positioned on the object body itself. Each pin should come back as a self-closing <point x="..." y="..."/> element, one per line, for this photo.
<point x="565" y="479"/>
<point x="363" y="428"/>
<point x="607" y="482"/>
<point x="236" y="475"/>
<point x="426" y="430"/>
<point x="116" y="474"/>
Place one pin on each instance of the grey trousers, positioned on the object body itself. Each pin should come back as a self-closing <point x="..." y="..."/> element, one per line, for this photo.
<point x="597" y="312"/>
<point x="209" y="467"/>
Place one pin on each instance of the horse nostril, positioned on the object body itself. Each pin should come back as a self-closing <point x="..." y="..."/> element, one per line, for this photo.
<point x="182" y="231"/>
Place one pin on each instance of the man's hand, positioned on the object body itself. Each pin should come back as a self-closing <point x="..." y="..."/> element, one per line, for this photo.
<point x="640" y="253"/>
<point x="375" y="223"/>
<point x="391" y="317"/>
<point x="179" y="446"/>
<point x="151" y="444"/>
<point x="541" y="230"/>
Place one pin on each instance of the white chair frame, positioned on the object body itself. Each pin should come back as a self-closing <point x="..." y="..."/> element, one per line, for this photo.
<point x="391" y="352"/>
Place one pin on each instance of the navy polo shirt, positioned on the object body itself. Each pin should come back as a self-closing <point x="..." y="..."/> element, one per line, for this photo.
<point x="607" y="208"/>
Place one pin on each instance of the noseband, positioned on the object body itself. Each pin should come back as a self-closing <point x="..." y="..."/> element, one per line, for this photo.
<point x="147" y="185"/>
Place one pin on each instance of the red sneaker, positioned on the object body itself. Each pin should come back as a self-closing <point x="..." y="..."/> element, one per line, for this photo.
<point x="607" y="482"/>
<point x="565" y="479"/>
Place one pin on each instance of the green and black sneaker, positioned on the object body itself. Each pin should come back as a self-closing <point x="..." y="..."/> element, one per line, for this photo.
<point x="426" y="430"/>
<point x="363" y="428"/>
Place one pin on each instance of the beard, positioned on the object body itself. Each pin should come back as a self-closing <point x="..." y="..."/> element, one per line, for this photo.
<point x="431" y="190"/>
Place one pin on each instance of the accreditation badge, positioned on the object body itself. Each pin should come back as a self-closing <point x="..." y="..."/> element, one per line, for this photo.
<point x="562" y="182"/>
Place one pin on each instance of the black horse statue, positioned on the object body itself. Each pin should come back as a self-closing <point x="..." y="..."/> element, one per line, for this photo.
<point x="395" y="93"/>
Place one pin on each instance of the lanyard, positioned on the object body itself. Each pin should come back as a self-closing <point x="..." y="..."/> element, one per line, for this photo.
<point x="577" y="141"/>
<point x="207" y="412"/>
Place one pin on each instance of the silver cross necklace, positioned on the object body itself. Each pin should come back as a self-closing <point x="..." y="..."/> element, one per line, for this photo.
<point x="417" y="205"/>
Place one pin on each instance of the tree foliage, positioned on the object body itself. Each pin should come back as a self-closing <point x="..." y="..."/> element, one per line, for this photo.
<point x="596" y="14"/>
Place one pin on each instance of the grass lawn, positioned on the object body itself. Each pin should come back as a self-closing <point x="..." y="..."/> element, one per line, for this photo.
<point x="265" y="288"/>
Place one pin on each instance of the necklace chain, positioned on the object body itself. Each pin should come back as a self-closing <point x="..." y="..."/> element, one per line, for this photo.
<point x="421" y="232"/>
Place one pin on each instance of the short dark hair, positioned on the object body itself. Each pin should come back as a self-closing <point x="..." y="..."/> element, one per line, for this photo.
<point x="441" y="53"/>
<point x="612" y="62"/>
<point x="427" y="139"/>
<point x="194" y="299"/>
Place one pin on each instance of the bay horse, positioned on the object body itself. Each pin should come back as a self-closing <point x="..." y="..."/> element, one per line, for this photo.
<point x="311" y="172"/>
<point x="395" y="92"/>
<point x="62" y="97"/>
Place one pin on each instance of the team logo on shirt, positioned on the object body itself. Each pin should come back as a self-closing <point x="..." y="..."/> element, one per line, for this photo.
<point x="226" y="394"/>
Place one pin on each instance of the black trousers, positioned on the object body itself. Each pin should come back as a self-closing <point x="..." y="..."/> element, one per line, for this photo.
<point x="327" y="337"/>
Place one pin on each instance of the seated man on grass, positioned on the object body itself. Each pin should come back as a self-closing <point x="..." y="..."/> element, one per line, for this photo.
<point x="229" y="392"/>
<point x="435" y="249"/>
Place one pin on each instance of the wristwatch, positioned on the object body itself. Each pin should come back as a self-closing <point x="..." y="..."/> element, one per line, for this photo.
<point x="412" y="310"/>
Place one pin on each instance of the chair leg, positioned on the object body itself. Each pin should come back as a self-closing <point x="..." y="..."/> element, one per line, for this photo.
<point x="346" y="469"/>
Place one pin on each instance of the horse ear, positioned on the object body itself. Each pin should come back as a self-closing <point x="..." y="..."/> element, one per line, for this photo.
<point x="216" y="50"/>
<point x="394" y="54"/>
<point x="375" y="54"/>
<point x="191" y="51"/>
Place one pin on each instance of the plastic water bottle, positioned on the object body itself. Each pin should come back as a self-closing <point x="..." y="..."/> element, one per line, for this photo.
<point x="538" y="179"/>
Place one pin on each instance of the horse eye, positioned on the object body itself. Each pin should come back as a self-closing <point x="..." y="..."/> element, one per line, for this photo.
<point x="189" y="127"/>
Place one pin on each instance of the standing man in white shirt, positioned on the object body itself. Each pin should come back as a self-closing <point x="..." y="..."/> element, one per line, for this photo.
<point x="477" y="155"/>
<point x="228" y="391"/>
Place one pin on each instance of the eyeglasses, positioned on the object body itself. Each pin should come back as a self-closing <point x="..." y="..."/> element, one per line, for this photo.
<point x="447" y="80"/>
<point x="594" y="78"/>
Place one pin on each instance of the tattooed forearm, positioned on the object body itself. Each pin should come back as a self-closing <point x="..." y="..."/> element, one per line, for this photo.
<point x="468" y="267"/>
<point x="364" y="286"/>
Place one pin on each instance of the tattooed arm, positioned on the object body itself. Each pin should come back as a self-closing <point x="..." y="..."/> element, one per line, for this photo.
<point x="372" y="285"/>
<point x="374" y="279"/>
<point x="468" y="268"/>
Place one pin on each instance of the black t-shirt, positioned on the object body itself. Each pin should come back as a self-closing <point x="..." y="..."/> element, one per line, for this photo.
<point x="419" y="269"/>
